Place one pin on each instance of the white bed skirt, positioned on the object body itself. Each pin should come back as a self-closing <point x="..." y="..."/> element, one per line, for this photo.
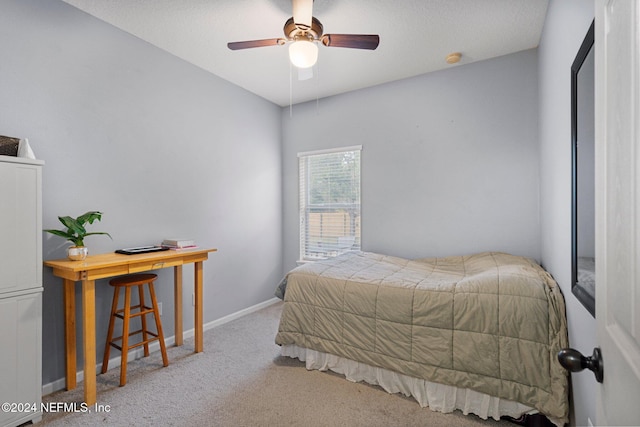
<point x="438" y="397"/>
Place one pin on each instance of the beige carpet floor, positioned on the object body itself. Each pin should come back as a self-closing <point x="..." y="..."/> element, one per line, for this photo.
<point x="241" y="380"/>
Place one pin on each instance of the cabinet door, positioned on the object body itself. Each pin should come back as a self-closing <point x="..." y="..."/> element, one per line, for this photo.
<point x="20" y="227"/>
<point x="20" y="359"/>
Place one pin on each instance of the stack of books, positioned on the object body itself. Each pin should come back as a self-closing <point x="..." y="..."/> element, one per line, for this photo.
<point x="177" y="244"/>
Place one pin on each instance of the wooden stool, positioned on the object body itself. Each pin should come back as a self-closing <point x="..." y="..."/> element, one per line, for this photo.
<point x="127" y="282"/>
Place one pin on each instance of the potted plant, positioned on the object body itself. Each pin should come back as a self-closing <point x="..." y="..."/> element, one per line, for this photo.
<point x="76" y="232"/>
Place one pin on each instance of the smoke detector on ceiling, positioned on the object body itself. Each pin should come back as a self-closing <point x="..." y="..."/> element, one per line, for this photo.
<point x="453" y="58"/>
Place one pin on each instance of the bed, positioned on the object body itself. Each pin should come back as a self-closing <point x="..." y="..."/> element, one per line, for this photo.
<point x="479" y="333"/>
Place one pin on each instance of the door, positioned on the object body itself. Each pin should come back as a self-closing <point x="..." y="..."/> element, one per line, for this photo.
<point x="618" y="209"/>
<point x="20" y="226"/>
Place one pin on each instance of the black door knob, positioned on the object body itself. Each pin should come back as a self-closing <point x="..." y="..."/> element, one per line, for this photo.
<point x="572" y="360"/>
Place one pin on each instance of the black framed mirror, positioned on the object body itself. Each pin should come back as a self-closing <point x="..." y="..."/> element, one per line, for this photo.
<point x="583" y="279"/>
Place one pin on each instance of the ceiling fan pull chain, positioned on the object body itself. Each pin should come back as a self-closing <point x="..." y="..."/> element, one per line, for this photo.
<point x="318" y="89"/>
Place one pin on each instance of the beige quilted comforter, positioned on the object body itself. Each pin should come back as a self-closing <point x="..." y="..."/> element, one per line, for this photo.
<point x="491" y="322"/>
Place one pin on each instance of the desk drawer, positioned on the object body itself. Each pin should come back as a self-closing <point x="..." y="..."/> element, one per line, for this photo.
<point x="153" y="265"/>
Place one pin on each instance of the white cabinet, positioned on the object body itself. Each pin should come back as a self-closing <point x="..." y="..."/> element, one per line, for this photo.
<point x="20" y="359"/>
<point x="20" y="290"/>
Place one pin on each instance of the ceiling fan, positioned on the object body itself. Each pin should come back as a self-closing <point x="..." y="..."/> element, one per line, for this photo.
<point x="304" y="32"/>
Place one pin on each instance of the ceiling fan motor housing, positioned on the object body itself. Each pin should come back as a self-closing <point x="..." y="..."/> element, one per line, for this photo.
<point x="293" y="30"/>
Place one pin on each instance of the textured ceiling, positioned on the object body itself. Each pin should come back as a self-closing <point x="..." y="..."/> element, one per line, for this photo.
<point x="415" y="38"/>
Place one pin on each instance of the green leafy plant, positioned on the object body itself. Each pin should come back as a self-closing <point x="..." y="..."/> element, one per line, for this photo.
<point x="76" y="231"/>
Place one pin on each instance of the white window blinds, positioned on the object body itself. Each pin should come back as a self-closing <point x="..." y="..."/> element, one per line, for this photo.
<point x="329" y="202"/>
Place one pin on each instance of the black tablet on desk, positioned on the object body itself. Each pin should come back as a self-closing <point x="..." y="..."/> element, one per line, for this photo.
<point x="141" y="250"/>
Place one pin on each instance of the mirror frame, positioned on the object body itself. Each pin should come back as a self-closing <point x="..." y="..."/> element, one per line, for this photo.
<point x="587" y="300"/>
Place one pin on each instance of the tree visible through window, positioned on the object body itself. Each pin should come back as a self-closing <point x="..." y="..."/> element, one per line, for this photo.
<point x="329" y="203"/>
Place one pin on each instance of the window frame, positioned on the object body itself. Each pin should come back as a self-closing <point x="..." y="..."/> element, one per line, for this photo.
<point x="352" y="241"/>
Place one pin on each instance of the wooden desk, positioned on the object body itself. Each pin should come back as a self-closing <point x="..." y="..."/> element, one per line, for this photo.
<point x="108" y="265"/>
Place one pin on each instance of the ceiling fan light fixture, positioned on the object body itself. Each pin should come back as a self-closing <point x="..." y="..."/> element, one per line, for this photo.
<point x="303" y="53"/>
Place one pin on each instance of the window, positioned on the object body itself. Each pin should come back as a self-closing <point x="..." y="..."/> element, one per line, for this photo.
<point x="329" y="202"/>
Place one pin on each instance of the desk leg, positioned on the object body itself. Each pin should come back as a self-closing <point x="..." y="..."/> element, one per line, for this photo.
<point x="89" y="339"/>
<point x="70" y="331"/>
<point x="177" y="298"/>
<point x="197" y="285"/>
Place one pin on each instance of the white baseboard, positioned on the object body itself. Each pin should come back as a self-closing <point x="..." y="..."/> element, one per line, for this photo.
<point x="236" y="315"/>
<point x="138" y="353"/>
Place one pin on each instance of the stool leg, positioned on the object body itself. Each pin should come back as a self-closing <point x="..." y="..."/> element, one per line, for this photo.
<point x="125" y="336"/>
<point x="143" y="320"/>
<point x="156" y="315"/>
<point x="112" y="320"/>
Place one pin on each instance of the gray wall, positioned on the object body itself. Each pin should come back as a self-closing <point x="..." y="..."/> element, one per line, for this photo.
<point x="163" y="148"/>
<point x="449" y="159"/>
<point x="565" y="27"/>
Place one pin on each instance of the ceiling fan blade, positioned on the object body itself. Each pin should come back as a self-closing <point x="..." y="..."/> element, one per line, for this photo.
<point x="255" y="43"/>
<point x="302" y="13"/>
<point x="354" y="41"/>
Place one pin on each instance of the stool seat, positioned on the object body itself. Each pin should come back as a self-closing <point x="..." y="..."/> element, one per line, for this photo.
<point x="133" y="279"/>
<point x="126" y="314"/>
